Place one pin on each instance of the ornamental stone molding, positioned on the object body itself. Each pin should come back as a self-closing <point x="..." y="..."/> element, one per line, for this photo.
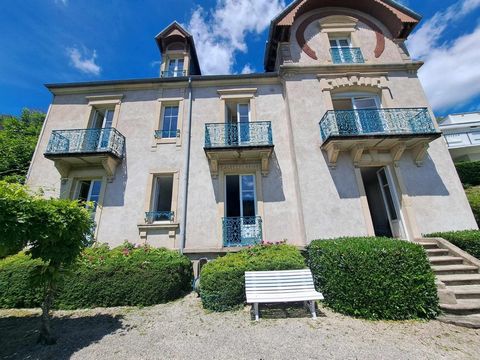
<point x="332" y="82"/>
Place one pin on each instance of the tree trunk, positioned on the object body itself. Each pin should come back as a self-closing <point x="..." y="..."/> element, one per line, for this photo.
<point x="46" y="336"/>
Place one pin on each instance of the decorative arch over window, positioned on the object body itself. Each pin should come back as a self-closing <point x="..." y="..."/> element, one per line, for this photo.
<point x="336" y="15"/>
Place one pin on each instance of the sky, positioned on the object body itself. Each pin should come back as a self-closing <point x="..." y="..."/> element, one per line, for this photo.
<point x="55" y="41"/>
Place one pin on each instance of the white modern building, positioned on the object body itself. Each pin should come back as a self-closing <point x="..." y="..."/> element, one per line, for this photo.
<point x="462" y="134"/>
<point x="335" y="138"/>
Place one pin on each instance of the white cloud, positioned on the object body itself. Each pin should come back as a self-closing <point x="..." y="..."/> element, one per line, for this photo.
<point x="82" y="62"/>
<point x="221" y="32"/>
<point x="63" y="2"/>
<point x="428" y="35"/>
<point x="247" y="69"/>
<point x="451" y="73"/>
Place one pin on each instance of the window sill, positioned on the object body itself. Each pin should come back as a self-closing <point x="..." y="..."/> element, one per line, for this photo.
<point x="158" y="225"/>
<point x="165" y="140"/>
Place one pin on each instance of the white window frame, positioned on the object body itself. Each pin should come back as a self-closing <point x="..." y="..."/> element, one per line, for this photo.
<point x="176" y="69"/>
<point x="92" y="181"/>
<point x="154" y="196"/>
<point x="162" y="122"/>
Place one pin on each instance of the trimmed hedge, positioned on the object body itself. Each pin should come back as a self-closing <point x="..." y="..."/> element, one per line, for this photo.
<point x="469" y="172"/>
<point x="124" y="276"/>
<point x="222" y="281"/>
<point x="374" y="278"/>
<point x="467" y="240"/>
<point x="473" y="195"/>
<point x="16" y="287"/>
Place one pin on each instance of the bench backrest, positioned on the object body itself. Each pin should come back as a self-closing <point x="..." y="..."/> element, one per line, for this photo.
<point x="281" y="281"/>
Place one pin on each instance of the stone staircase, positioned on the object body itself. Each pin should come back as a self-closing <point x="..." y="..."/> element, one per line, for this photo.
<point x="458" y="281"/>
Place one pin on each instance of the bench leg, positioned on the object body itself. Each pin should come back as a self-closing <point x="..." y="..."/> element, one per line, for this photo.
<point x="312" y="309"/>
<point x="257" y="315"/>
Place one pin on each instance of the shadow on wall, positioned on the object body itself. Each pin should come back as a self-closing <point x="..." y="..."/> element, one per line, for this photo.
<point x="419" y="180"/>
<point x="19" y="335"/>
<point x="273" y="183"/>
<point x="115" y="193"/>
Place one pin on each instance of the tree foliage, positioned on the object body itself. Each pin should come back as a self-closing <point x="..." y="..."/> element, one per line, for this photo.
<point x="54" y="231"/>
<point x="18" y="138"/>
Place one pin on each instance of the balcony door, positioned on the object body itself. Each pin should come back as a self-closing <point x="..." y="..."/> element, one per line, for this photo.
<point x="175" y="67"/>
<point x="241" y="208"/>
<point x="98" y="135"/>
<point x="358" y="114"/>
<point x="238" y="129"/>
<point x="89" y="191"/>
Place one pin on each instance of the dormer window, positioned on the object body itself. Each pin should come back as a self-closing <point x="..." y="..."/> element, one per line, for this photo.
<point x="343" y="52"/>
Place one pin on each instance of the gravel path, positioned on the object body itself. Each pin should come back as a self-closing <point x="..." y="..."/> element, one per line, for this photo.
<point x="183" y="330"/>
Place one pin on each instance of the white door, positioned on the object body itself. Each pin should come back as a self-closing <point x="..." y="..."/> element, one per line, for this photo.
<point x="89" y="191"/>
<point x="392" y="205"/>
<point x="175" y="67"/>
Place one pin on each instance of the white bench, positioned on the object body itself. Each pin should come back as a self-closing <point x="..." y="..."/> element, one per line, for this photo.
<point x="281" y="286"/>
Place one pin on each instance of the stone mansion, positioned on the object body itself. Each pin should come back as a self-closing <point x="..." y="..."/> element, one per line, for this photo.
<point x="335" y="138"/>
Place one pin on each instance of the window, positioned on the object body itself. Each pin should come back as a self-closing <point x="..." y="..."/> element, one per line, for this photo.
<point x="240" y="196"/>
<point x="340" y="42"/>
<point x="161" y="207"/>
<point x="238" y="127"/>
<point x="343" y="52"/>
<point x="169" y="122"/>
<point x="175" y="67"/>
<point x="358" y="114"/>
<point x="89" y="191"/>
<point x="102" y="118"/>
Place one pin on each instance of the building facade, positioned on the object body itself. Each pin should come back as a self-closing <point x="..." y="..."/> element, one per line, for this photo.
<point x="335" y="138"/>
<point x="462" y="134"/>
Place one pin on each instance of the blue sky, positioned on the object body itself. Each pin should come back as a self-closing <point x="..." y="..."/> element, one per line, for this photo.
<point x="50" y="41"/>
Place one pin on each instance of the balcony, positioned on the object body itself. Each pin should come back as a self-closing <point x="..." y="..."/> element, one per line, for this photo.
<point x="86" y="147"/>
<point x="241" y="231"/>
<point x="346" y="55"/>
<point x="157" y="216"/>
<point x="167" y="134"/>
<point x="377" y="134"/>
<point x="227" y="142"/>
<point x="173" y="73"/>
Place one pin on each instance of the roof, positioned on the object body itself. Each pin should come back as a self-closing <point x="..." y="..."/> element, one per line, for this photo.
<point x="173" y="32"/>
<point x="399" y="19"/>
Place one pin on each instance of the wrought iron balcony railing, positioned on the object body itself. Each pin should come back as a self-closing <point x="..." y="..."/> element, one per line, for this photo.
<point x="242" y="231"/>
<point x="167" y="134"/>
<point x="83" y="141"/>
<point x="173" y="73"/>
<point x="221" y="135"/>
<point x="376" y="122"/>
<point x="154" y="216"/>
<point x="346" y="55"/>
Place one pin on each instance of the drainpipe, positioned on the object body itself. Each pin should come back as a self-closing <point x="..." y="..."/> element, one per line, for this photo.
<point x="186" y="169"/>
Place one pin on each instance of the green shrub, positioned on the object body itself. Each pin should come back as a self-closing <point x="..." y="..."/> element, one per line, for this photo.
<point x="467" y="240"/>
<point x="469" y="172"/>
<point x="124" y="276"/>
<point x="374" y="278"/>
<point x="222" y="282"/>
<point x="473" y="195"/>
<point x="16" y="286"/>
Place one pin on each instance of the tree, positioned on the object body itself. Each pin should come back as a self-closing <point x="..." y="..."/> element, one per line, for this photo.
<point x="54" y="230"/>
<point x="18" y="138"/>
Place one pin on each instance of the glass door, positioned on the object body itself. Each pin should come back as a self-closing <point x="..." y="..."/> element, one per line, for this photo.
<point x="392" y="205"/>
<point x="99" y="139"/>
<point x="241" y="207"/>
<point x="243" y="118"/>
<point x="175" y="67"/>
<point x="368" y="118"/>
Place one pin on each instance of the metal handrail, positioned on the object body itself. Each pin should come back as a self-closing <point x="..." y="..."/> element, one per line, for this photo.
<point x="221" y="135"/>
<point x="241" y="231"/>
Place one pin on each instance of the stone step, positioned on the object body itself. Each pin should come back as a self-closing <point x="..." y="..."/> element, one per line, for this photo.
<point x="428" y="244"/>
<point x="469" y="321"/>
<point x="445" y="260"/>
<point x="460" y="279"/>
<point x="463" y="307"/>
<point x="454" y="269"/>
<point x="437" y="252"/>
<point x="466" y="291"/>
